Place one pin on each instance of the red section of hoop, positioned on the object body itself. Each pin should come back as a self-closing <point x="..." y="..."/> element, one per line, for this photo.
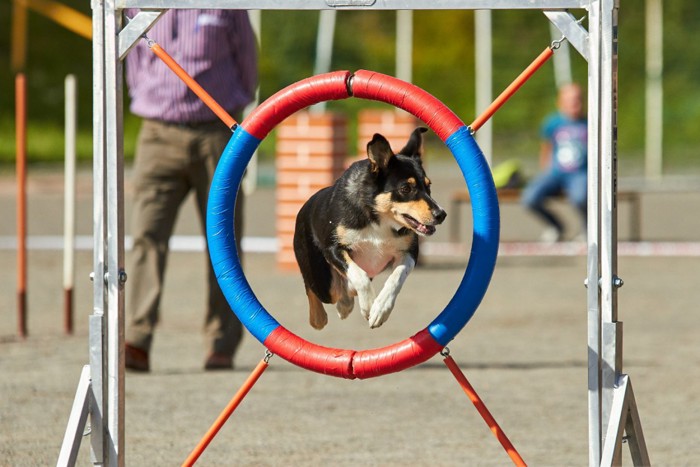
<point x="379" y="87"/>
<point x="397" y="357"/>
<point x="351" y="364"/>
<point x="309" y="91"/>
<point x="324" y="360"/>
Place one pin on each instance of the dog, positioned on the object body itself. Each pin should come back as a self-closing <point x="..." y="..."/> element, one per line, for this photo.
<point x="368" y="221"/>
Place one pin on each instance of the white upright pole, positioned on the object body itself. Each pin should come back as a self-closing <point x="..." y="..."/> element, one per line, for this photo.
<point x="561" y="59"/>
<point x="250" y="180"/>
<point x="484" y="81"/>
<point x="404" y="45"/>
<point x="69" y="202"/>
<point x="324" y="48"/>
<point x="653" y="145"/>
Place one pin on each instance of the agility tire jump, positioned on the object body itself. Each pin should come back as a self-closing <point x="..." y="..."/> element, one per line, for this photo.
<point x="452" y="131"/>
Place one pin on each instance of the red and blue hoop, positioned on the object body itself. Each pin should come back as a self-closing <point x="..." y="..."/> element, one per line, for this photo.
<point x="486" y="225"/>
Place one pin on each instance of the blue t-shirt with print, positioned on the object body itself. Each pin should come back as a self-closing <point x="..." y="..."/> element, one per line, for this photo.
<point x="569" y="140"/>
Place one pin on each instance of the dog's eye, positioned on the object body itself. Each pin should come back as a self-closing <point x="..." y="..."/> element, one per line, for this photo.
<point x="405" y="189"/>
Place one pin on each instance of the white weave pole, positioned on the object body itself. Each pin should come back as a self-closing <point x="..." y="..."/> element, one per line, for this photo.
<point x="483" y="51"/>
<point x="324" y="49"/>
<point x="654" y="93"/>
<point x="69" y="202"/>
<point x="404" y="45"/>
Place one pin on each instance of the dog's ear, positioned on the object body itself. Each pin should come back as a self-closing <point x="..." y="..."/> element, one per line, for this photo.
<point x="379" y="153"/>
<point x="414" y="147"/>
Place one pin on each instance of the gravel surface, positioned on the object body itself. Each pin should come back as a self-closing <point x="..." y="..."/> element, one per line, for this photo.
<point x="525" y="353"/>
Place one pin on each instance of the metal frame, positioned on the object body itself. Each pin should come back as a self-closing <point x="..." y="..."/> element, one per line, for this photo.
<point x="612" y="407"/>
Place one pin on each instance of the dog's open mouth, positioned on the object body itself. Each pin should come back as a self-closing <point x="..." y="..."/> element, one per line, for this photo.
<point x="418" y="227"/>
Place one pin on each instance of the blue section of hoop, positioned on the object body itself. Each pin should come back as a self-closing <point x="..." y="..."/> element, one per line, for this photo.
<point x="221" y="237"/>
<point x="486" y="233"/>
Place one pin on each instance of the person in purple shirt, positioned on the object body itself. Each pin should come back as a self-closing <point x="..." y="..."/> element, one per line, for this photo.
<point x="178" y="147"/>
<point x="564" y="153"/>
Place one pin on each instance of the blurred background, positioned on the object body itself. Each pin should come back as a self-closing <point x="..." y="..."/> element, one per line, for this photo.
<point x="443" y="58"/>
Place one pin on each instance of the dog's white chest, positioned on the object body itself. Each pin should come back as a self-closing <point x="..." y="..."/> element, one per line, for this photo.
<point x="375" y="247"/>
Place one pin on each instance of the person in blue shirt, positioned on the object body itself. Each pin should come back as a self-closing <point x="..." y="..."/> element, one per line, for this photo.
<point x="564" y="154"/>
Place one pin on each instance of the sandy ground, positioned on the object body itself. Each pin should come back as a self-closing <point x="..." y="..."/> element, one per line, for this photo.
<point x="525" y="352"/>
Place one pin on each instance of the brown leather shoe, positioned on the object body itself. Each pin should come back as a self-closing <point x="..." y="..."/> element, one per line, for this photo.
<point x="219" y="361"/>
<point x="136" y="359"/>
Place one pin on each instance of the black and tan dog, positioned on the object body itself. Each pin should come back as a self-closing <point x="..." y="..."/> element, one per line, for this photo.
<point x="367" y="222"/>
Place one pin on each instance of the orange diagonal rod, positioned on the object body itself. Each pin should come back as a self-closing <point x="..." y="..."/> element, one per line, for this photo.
<point x="192" y="84"/>
<point x="484" y="412"/>
<point x="510" y="90"/>
<point x="226" y="413"/>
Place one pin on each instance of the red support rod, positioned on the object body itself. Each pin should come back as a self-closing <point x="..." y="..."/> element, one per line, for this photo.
<point x="484" y="412"/>
<point x="192" y="84"/>
<point x="226" y="413"/>
<point x="21" y="163"/>
<point x="512" y="88"/>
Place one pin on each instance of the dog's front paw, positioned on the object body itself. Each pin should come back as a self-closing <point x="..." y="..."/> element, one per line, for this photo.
<point x="366" y="298"/>
<point x="381" y="309"/>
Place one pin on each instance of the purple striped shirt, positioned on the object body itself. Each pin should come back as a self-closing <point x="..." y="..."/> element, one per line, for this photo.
<point x="216" y="47"/>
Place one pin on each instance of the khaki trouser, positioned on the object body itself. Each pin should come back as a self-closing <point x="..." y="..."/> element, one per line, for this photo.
<point x="171" y="161"/>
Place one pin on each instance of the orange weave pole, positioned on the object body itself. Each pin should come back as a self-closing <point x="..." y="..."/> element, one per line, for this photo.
<point x="226" y="413"/>
<point x="21" y="164"/>
<point x="192" y="84"/>
<point x="512" y="88"/>
<point x="484" y="412"/>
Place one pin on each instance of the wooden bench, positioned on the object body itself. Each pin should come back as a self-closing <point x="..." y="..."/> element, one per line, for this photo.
<point x="512" y="195"/>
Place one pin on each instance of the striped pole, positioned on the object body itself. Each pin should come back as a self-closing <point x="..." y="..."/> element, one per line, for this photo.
<point x="69" y="203"/>
<point x="21" y="161"/>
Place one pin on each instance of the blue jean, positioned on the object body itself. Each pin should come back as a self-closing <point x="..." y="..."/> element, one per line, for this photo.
<point x="548" y="184"/>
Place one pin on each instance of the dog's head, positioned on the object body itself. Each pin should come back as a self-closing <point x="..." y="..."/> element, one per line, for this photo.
<point x="403" y="188"/>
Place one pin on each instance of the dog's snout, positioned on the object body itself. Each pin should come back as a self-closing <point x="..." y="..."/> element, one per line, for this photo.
<point x="439" y="214"/>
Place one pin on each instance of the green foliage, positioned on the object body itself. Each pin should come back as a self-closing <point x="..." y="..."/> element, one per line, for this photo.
<point x="443" y="64"/>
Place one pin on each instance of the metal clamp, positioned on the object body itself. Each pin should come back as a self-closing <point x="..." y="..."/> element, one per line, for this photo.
<point x="617" y="282"/>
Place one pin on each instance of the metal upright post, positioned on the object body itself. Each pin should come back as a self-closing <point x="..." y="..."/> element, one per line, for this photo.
<point x="96" y="322"/>
<point x="115" y="274"/>
<point x="611" y="330"/>
<point x="616" y="413"/>
<point x="106" y="322"/>
<point x="593" y="234"/>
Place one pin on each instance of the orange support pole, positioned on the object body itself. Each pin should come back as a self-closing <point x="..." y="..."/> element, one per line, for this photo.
<point x="191" y="83"/>
<point x="226" y="413"/>
<point x="484" y="412"/>
<point x="512" y="88"/>
<point x="21" y="164"/>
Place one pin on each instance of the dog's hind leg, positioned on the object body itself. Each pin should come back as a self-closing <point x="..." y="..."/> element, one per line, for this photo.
<point x="318" y="318"/>
<point x="341" y="296"/>
<point x="345" y="305"/>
